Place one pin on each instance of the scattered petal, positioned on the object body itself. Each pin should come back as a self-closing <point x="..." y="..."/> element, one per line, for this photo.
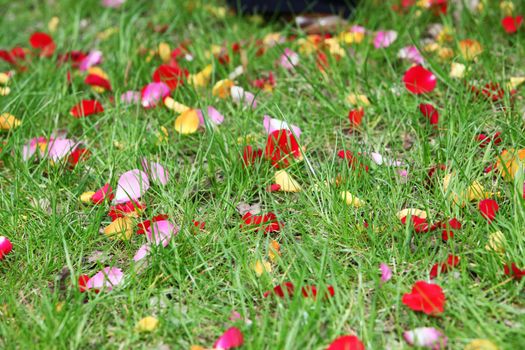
<point x="351" y="200"/>
<point x="187" y="122"/>
<point x="106" y="279"/>
<point x="153" y="93"/>
<point x="5" y="247"/>
<point x="346" y="342"/>
<point x="427" y="337"/>
<point x="425" y="297"/>
<point x="418" y="80"/>
<point x="286" y="182"/>
<point x="481" y="344"/>
<point x="230" y="339"/>
<point x="86" y="108"/>
<point x="121" y="229"/>
<point x="488" y="209"/>
<point x="384" y="39"/>
<point x="386" y="272"/>
<point x="147" y="324"/>
<point x="131" y="186"/>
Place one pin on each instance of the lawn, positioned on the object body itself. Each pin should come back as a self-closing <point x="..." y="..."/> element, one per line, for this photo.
<point x="395" y="143"/>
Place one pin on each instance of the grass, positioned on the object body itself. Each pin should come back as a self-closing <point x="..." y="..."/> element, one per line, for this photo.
<point x="194" y="284"/>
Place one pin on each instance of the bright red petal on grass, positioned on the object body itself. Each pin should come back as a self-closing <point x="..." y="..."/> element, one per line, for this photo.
<point x="274" y="188"/>
<point x="97" y="80"/>
<point x="120" y="210"/>
<point x="8" y="57"/>
<point x="86" y="108"/>
<point x="42" y="42"/>
<point x="346" y="342"/>
<point x="418" y="80"/>
<point x="420" y="225"/>
<point x="5" y="247"/>
<point x="430" y="112"/>
<point x="448" y="228"/>
<point x="311" y="292"/>
<point x="514" y="271"/>
<point x="356" y="116"/>
<point x="452" y="261"/>
<point x="230" y="339"/>
<point x="79" y="154"/>
<point x="353" y="161"/>
<point x="282" y="290"/>
<point x="106" y="192"/>
<point x="170" y="75"/>
<point x="250" y="156"/>
<point x="512" y="24"/>
<point x="488" y="209"/>
<point x="82" y="282"/>
<point x="425" y="297"/>
<point x="280" y="146"/>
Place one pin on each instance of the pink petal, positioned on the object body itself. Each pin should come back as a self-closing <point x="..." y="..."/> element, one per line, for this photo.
<point x="411" y="54"/>
<point x="28" y="150"/>
<point x="142" y="252"/>
<point x="357" y="29"/>
<point x="384" y="39"/>
<point x="289" y="59"/>
<point x="271" y="124"/>
<point x="113" y="3"/>
<point x="153" y="93"/>
<point x="92" y="59"/>
<point x="107" y="278"/>
<point x="155" y="171"/>
<point x="59" y="148"/>
<point x="215" y="116"/>
<point x="239" y="95"/>
<point x="427" y="337"/>
<point x="161" y="232"/>
<point x="386" y="272"/>
<point x="130" y="97"/>
<point x="232" y="338"/>
<point x="131" y="186"/>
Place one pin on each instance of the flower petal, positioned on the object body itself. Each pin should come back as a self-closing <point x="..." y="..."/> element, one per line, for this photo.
<point x="230" y="339"/>
<point x="346" y="342"/>
<point x="5" y="246"/>
<point x="187" y="122"/>
<point x="156" y="171"/>
<point x="106" y="279"/>
<point x="418" y="80"/>
<point x="286" y="182"/>
<point x="428" y="337"/>
<point x="131" y="186"/>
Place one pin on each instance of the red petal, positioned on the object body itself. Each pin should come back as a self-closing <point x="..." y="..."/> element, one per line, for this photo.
<point x="82" y="281"/>
<point x="97" y="80"/>
<point x="232" y="338"/>
<point x="488" y="209"/>
<point x="356" y="116"/>
<point x="280" y="290"/>
<point x="170" y="75"/>
<point x="86" y="108"/>
<point x="425" y="297"/>
<point x="106" y="192"/>
<point x="146" y="224"/>
<point x="418" y="80"/>
<point x="281" y="144"/>
<point x="43" y="42"/>
<point x="511" y="24"/>
<point x="77" y="155"/>
<point x="346" y="342"/>
<point x="430" y="112"/>
<point x="274" y="188"/>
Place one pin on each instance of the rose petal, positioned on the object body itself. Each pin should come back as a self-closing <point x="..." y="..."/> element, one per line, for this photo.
<point x="5" y="246"/>
<point x="161" y="232"/>
<point x="271" y="124"/>
<point x="488" y="209"/>
<point x="155" y="171"/>
<point x="286" y="182"/>
<point x="187" y="122"/>
<point x="230" y="339"/>
<point x="428" y="337"/>
<point x="289" y="59"/>
<point x="131" y="186"/>
<point x="384" y="39"/>
<point x="411" y="54"/>
<point x="86" y="108"/>
<point x="215" y="116"/>
<point x="153" y="93"/>
<point x="92" y="59"/>
<point x="142" y="252"/>
<point x="346" y="342"/>
<point x="59" y="148"/>
<point x="386" y="272"/>
<point x="113" y="3"/>
<point x="130" y="97"/>
<point x="106" y="279"/>
<point x="418" y="80"/>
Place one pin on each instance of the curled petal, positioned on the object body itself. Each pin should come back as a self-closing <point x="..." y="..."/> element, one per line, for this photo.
<point x="289" y="59"/>
<point x="142" y="252"/>
<point x="411" y="54"/>
<point x="161" y="232"/>
<point x="386" y="272"/>
<point x="153" y="93"/>
<point x="346" y="342"/>
<point x="239" y="95"/>
<point x="131" y="186"/>
<point x="59" y="148"/>
<point x="384" y="39"/>
<point x="418" y="80"/>
<point x="155" y="171"/>
<point x="5" y="246"/>
<point x="92" y="59"/>
<point x="271" y="124"/>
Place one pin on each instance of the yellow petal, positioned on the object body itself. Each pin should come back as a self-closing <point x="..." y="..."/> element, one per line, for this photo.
<point x="274" y="251"/>
<point x="197" y="347"/>
<point x="261" y="267"/>
<point x="5" y="90"/>
<point x="187" y="122"/>
<point x="162" y="135"/>
<point x="351" y="200"/>
<point x="107" y="33"/>
<point x="507" y="7"/>
<point x="510" y="162"/>
<point x="121" y="228"/>
<point x="470" y="49"/>
<point x="496" y="242"/>
<point x="286" y="181"/>
<point x="221" y="88"/>
<point x="8" y="121"/>
<point x="515" y="82"/>
<point x="53" y="24"/>
<point x="201" y="79"/>
<point x="358" y="100"/>
<point x="4" y="78"/>
<point x="476" y="191"/>
<point x="147" y="324"/>
<point x="351" y="37"/>
<point x="59" y="306"/>
<point x="411" y="212"/>
<point x="170" y="103"/>
<point x="164" y="52"/>
<point x="86" y="196"/>
<point x="98" y="71"/>
<point x="481" y="344"/>
<point x="457" y="70"/>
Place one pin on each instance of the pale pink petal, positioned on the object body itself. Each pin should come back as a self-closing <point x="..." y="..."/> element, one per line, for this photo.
<point x="386" y="272"/>
<point x="289" y="59"/>
<point x="29" y="149"/>
<point x="59" y="148"/>
<point x="92" y="59"/>
<point x="377" y="158"/>
<point x="161" y="232"/>
<point x="130" y="97"/>
<point x="239" y="95"/>
<point x="106" y="279"/>
<point x="411" y="54"/>
<point x="113" y="3"/>
<point x="357" y="29"/>
<point x="384" y="39"/>
<point x="131" y="186"/>
<point x="232" y="338"/>
<point x="427" y="337"/>
<point x="153" y="93"/>
<point x="271" y="124"/>
<point x="142" y="252"/>
<point x="156" y="171"/>
<point x="215" y="116"/>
